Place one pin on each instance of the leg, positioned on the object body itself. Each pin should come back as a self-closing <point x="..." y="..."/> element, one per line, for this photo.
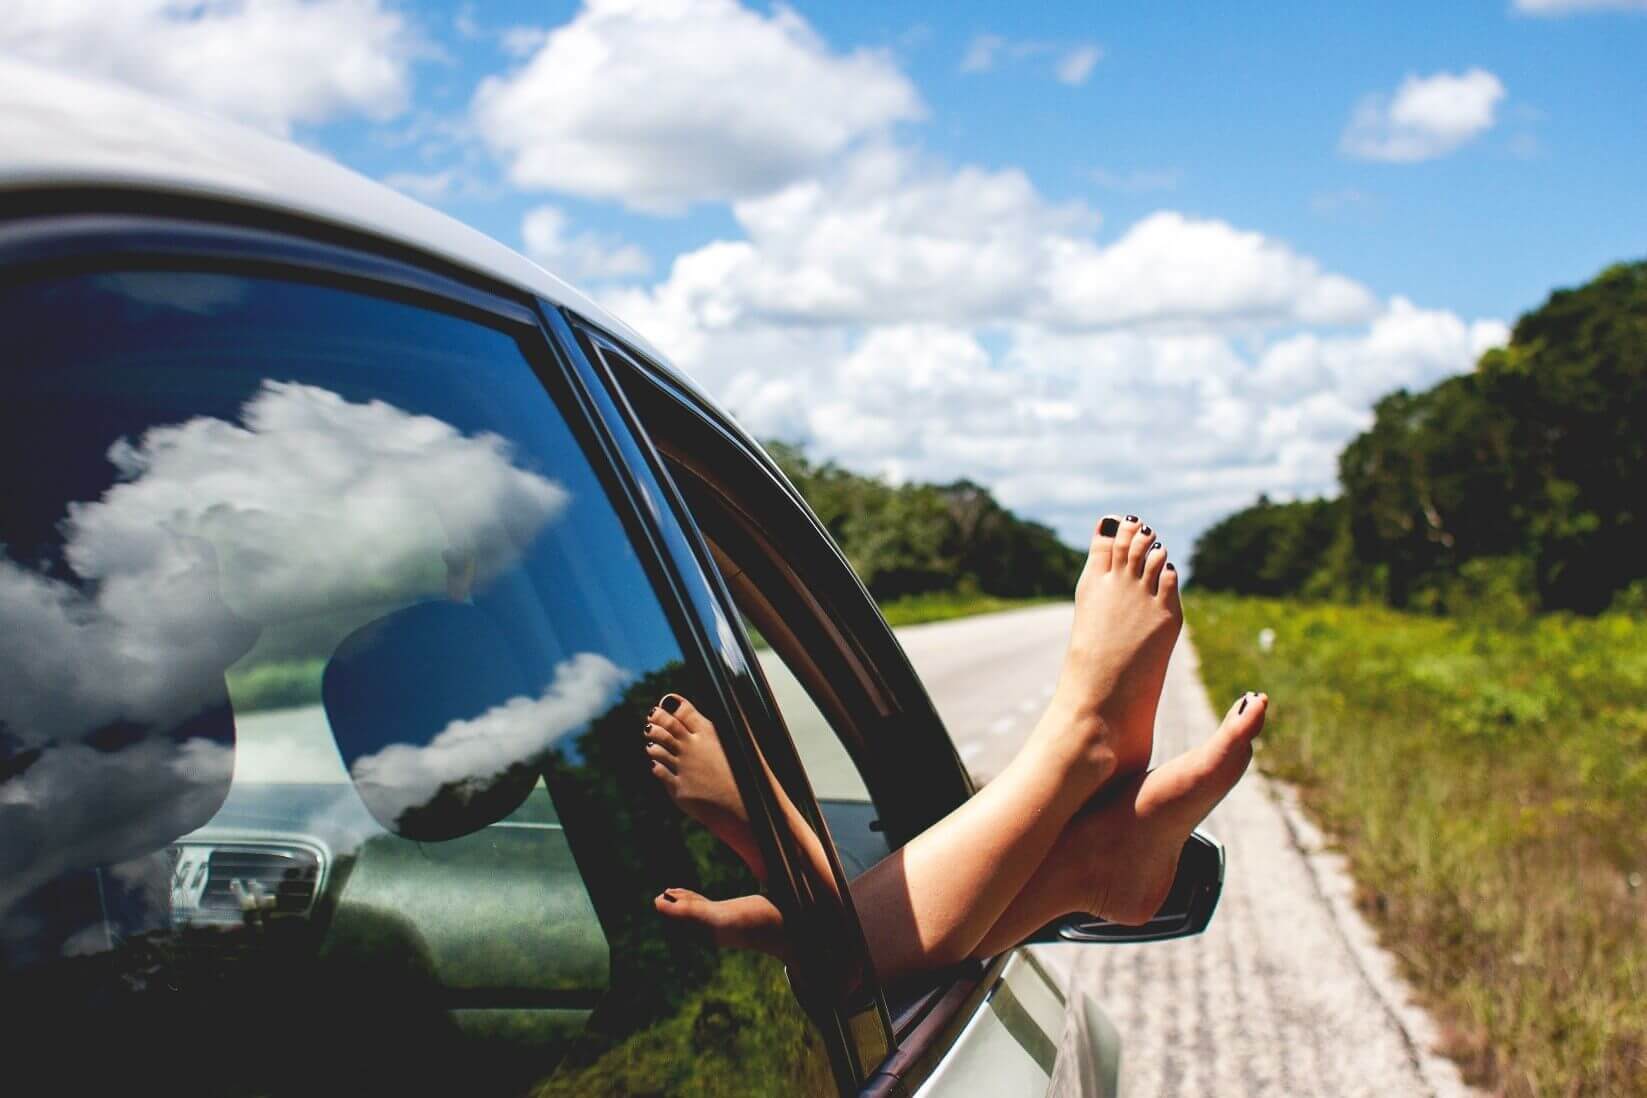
<point x="933" y="900"/>
<point x="1115" y="860"/>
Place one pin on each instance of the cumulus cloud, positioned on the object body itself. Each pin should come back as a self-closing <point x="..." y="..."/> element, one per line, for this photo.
<point x="1427" y="117"/>
<point x="477" y="751"/>
<point x="271" y="63"/>
<point x="579" y="256"/>
<point x="926" y="322"/>
<point x="659" y="105"/>
<point x="888" y="239"/>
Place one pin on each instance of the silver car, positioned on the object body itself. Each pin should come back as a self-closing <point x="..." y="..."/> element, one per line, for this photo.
<point x="345" y="551"/>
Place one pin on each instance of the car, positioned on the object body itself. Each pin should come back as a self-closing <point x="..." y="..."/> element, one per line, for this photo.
<point x="345" y="552"/>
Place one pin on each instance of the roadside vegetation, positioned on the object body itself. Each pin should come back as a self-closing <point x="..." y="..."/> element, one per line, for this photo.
<point x="1456" y="646"/>
<point x="1489" y="787"/>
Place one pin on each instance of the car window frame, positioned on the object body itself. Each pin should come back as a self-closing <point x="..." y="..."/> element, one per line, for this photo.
<point x="53" y="233"/>
<point x="930" y="1020"/>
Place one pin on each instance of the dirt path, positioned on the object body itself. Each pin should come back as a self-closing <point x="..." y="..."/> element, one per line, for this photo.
<point x="1288" y="992"/>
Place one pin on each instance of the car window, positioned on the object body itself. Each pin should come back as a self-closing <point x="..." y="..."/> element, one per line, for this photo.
<point x="324" y="663"/>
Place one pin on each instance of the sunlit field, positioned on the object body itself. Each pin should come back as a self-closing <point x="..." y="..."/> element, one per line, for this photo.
<point x="1489" y="785"/>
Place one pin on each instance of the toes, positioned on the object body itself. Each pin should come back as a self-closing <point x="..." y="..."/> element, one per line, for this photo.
<point x="1122" y="546"/>
<point x="665" y="775"/>
<point x="1168" y="586"/>
<point x="661" y="756"/>
<point x="670" y="724"/>
<point x="681" y="903"/>
<point x="1103" y="542"/>
<point x="685" y="712"/>
<point x="1154" y="563"/>
<point x="656" y="733"/>
<point x="1138" y="551"/>
<point x="1246" y="717"/>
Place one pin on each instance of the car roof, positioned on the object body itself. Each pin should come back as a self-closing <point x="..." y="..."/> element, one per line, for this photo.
<point x="62" y="131"/>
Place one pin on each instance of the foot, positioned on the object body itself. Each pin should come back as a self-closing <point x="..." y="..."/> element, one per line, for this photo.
<point x="1121" y="855"/>
<point x="1127" y="619"/>
<point x="687" y="758"/>
<point x="747" y="922"/>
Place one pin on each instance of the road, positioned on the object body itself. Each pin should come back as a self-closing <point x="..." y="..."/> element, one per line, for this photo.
<point x="1288" y="992"/>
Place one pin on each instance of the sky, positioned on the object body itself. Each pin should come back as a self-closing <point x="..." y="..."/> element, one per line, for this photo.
<point x="1140" y="258"/>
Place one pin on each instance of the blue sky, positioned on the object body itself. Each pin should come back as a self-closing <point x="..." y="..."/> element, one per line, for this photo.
<point x="1100" y="257"/>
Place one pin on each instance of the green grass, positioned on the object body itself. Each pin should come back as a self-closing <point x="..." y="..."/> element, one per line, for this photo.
<point x="943" y="605"/>
<point x="1489" y="786"/>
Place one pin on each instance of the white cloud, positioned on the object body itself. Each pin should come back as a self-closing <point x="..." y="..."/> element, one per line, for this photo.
<point x="1075" y="66"/>
<point x="1568" y="7"/>
<point x="311" y="503"/>
<point x="660" y="105"/>
<point x="472" y="753"/>
<point x="272" y="63"/>
<point x="888" y="239"/>
<point x="1429" y="116"/>
<point x="926" y="322"/>
<point x="1070" y="64"/>
<point x="579" y="256"/>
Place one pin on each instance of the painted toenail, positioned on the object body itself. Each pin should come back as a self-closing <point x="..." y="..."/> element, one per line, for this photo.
<point x="669" y="897"/>
<point x="670" y="703"/>
<point x="1242" y="708"/>
<point x="1132" y="518"/>
<point x="1146" y="531"/>
<point x="1107" y="528"/>
<point x="1171" y="567"/>
<point x="1154" y="547"/>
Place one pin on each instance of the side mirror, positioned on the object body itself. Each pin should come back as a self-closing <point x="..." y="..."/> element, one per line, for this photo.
<point x="408" y="696"/>
<point x="1186" y="911"/>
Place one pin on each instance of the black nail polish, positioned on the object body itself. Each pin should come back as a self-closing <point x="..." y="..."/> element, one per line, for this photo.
<point x="668" y="899"/>
<point x="1107" y="528"/>
<point x="1243" y="706"/>
<point x="1170" y="568"/>
<point x="1146" y="531"/>
<point x="1154" y="547"/>
<point x="1132" y="518"/>
<point x="670" y="704"/>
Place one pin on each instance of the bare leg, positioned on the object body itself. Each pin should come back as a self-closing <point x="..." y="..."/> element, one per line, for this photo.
<point x="932" y="901"/>
<point x="1116" y="860"/>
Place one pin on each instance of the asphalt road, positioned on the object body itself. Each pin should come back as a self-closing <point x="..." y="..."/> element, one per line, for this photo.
<point x="1287" y="993"/>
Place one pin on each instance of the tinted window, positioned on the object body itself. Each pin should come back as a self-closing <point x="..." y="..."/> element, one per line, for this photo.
<point x="324" y="658"/>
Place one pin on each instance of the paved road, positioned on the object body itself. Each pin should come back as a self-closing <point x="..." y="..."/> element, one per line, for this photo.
<point x="1287" y="993"/>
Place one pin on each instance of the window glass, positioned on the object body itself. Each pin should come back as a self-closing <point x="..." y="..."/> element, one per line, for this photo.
<point x="324" y="662"/>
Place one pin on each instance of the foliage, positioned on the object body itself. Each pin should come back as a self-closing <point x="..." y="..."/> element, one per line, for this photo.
<point x="943" y="605"/>
<point x="914" y="538"/>
<point x="1539" y="456"/>
<point x="1487" y="785"/>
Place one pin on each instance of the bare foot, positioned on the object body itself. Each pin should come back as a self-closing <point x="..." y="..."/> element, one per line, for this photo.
<point x="1127" y="848"/>
<point x="1117" y="858"/>
<point x="688" y="759"/>
<point x="746" y="922"/>
<point x="1127" y="619"/>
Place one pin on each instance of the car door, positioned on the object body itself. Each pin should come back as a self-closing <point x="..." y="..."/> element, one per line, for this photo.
<point x="332" y="608"/>
<point x="872" y="747"/>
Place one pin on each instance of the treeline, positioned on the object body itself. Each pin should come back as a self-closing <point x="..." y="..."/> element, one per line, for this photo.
<point x="1520" y="486"/>
<point x="911" y="539"/>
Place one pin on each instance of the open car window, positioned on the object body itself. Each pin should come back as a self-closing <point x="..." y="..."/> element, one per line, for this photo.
<point x="324" y="661"/>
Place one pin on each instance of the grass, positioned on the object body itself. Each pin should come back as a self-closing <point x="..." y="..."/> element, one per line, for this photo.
<point x="943" y="605"/>
<point x="1489" y="786"/>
